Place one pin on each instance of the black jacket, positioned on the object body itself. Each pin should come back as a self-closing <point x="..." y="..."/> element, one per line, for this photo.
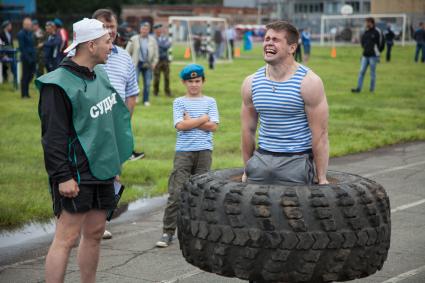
<point x="419" y="36"/>
<point x="63" y="160"/>
<point x="389" y="36"/>
<point x="372" y="42"/>
<point x="5" y="39"/>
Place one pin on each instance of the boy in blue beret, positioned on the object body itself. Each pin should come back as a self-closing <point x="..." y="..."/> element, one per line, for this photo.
<point x="195" y="119"/>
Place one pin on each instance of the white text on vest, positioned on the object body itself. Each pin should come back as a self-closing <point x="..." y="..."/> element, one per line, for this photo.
<point x="103" y="107"/>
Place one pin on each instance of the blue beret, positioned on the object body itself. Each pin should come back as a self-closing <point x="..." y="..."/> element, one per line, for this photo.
<point x="192" y="71"/>
<point x="58" y="22"/>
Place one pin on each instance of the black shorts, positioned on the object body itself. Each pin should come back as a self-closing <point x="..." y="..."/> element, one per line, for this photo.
<point x="96" y="196"/>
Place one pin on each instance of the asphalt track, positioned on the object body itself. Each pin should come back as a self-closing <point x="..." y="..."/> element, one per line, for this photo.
<point x="130" y="256"/>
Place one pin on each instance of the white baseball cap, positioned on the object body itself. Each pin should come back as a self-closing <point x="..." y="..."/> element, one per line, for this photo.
<point x="85" y="30"/>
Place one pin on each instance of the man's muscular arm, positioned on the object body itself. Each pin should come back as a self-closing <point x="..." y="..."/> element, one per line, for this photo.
<point x="316" y="107"/>
<point x="249" y="120"/>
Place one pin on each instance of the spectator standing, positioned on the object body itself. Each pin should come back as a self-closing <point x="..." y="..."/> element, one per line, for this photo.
<point x="419" y="37"/>
<point x="231" y="36"/>
<point x="389" y="40"/>
<point x="121" y="73"/>
<point x="219" y="42"/>
<point x="52" y="47"/>
<point x="63" y="33"/>
<point x="6" y="40"/>
<point x="210" y="51"/>
<point x="163" y="65"/>
<point x="39" y="38"/>
<point x="28" y="55"/>
<point x="143" y="50"/>
<point x="298" y="51"/>
<point x="306" y="41"/>
<point x="372" y="42"/>
<point x="247" y="40"/>
<point x="195" y="119"/>
<point x="197" y="37"/>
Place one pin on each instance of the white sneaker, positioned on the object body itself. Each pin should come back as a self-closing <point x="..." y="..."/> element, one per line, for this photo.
<point x="165" y="241"/>
<point x="107" y="235"/>
<point x="147" y="103"/>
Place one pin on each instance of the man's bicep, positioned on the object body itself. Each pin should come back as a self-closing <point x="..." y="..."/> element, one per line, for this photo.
<point x="316" y="105"/>
<point x="249" y="115"/>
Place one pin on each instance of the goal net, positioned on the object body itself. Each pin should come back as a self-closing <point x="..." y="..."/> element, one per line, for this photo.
<point x="195" y="38"/>
<point x="349" y="28"/>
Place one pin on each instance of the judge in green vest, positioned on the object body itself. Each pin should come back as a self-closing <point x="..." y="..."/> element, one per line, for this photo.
<point x="86" y="136"/>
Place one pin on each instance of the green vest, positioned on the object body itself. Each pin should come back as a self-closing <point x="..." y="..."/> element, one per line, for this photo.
<point x="100" y="117"/>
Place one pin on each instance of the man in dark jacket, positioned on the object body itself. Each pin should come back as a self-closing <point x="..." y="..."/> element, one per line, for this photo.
<point x="39" y="38"/>
<point x="86" y="136"/>
<point x="372" y="43"/>
<point x="28" y="57"/>
<point x="52" y="47"/>
<point x="419" y="37"/>
<point x="389" y="40"/>
<point x="6" y="40"/>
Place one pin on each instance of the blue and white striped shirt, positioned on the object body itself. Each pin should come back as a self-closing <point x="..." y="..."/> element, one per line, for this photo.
<point x="195" y="139"/>
<point x="283" y="120"/>
<point x="121" y="72"/>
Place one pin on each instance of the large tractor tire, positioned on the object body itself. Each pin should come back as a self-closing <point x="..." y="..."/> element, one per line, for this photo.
<point x="281" y="233"/>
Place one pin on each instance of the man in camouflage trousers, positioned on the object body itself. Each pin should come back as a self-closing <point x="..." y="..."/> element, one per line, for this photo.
<point x="163" y="65"/>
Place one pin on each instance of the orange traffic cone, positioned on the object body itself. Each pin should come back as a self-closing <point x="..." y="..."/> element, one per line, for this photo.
<point x="237" y="52"/>
<point x="333" y="52"/>
<point x="187" y="53"/>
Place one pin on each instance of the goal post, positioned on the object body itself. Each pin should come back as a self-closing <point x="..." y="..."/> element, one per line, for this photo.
<point x="347" y="28"/>
<point x="180" y="29"/>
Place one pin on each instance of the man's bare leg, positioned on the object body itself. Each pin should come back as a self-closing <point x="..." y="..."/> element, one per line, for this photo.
<point x="68" y="227"/>
<point x="89" y="249"/>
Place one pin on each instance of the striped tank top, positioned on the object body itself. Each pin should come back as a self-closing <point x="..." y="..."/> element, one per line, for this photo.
<point x="283" y="121"/>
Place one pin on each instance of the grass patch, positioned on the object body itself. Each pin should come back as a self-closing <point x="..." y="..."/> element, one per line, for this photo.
<point x="394" y="114"/>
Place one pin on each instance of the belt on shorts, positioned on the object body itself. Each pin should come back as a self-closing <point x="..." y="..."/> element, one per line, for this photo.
<point x="263" y="151"/>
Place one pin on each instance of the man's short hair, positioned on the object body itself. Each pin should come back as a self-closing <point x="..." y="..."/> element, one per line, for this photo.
<point x="370" y="20"/>
<point x="106" y="14"/>
<point x="145" y="24"/>
<point x="292" y="34"/>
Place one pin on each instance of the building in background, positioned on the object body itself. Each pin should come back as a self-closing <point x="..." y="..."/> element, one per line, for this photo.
<point x="414" y="9"/>
<point x="15" y="10"/>
<point x="307" y="13"/>
<point x="158" y="14"/>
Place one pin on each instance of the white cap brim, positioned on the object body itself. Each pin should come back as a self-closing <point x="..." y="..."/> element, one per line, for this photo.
<point x="72" y="46"/>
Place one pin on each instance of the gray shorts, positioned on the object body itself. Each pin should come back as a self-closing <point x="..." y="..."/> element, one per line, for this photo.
<point x="276" y="168"/>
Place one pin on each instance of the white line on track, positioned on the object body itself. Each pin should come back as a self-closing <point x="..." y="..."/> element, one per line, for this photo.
<point x="391" y="169"/>
<point x="183" y="276"/>
<point x="409" y="205"/>
<point x="405" y="275"/>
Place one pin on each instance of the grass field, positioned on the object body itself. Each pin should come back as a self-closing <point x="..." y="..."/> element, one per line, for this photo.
<point x="394" y="113"/>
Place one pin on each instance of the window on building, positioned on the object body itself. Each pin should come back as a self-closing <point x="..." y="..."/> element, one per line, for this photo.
<point x="366" y="7"/>
<point x="308" y="8"/>
<point x="355" y="5"/>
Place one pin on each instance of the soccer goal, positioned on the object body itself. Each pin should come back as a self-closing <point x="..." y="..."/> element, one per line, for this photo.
<point x="348" y="28"/>
<point x="198" y="36"/>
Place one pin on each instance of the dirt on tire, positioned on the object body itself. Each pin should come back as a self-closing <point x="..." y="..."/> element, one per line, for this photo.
<point x="284" y="233"/>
